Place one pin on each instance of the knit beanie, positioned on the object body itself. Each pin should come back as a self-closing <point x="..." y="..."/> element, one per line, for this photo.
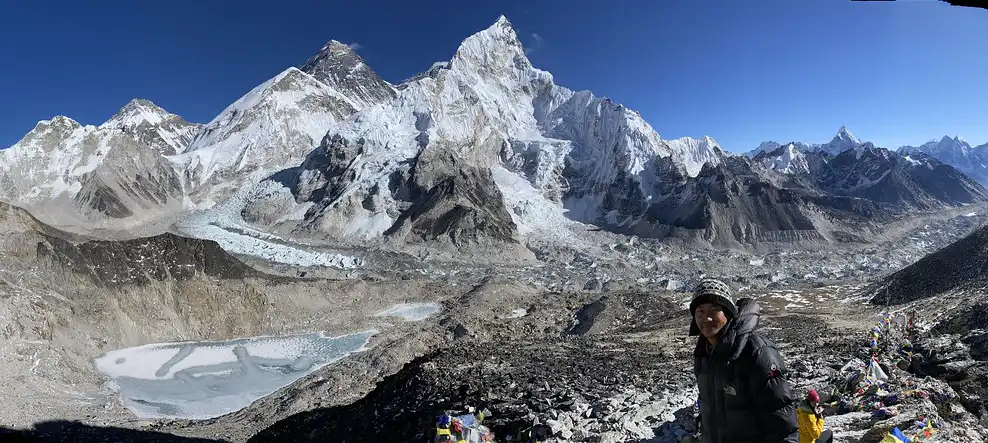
<point x="711" y="291"/>
<point x="813" y="396"/>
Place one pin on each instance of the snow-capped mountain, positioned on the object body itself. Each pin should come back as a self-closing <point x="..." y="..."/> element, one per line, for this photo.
<point x="50" y="159"/>
<point x="846" y="166"/>
<point x="885" y="177"/>
<point x="738" y="202"/>
<point x="270" y="128"/>
<point x="275" y="125"/>
<point x="843" y="141"/>
<point x="550" y="150"/>
<point x="167" y="133"/>
<point x="763" y="147"/>
<point x="788" y="159"/>
<point x="136" y="184"/>
<point x="336" y="65"/>
<point x="955" y="152"/>
<point x="53" y="159"/>
<point x="482" y="150"/>
<point x="697" y="152"/>
<point x="558" y="156"/>
<point x="68" y="173"/>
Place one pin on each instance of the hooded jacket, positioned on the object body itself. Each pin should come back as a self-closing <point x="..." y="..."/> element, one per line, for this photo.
<point x="744" y="395"/>
<point x="810" y="424"/>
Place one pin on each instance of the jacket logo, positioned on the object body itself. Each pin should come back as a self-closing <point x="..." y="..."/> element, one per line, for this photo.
<point x="729" y="390"/>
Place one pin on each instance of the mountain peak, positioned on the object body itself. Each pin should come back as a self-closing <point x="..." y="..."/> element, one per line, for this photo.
<point x="60" y="120"/>
<point x="945" y="143"/>
<point x="499" y="39"/>
<point x="141" y="105"/>
<point x="338" y="66"/>
<point x="140" y="102"/>
<point x="136" y="112"/>
<point x="335" y="48"/>
<point x="844" y="134"/>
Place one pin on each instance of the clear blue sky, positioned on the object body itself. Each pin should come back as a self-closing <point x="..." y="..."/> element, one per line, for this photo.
<point x="894" y="73"/>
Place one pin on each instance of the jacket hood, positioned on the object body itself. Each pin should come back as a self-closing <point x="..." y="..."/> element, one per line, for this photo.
<point x="734" y="336"/>
<point x="804" y="406"/>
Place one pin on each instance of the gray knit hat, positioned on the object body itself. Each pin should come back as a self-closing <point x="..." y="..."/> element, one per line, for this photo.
<point x="711" y="291"/>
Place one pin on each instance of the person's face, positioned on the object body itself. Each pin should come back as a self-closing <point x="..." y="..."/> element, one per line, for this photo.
<point x="710" y="318"/>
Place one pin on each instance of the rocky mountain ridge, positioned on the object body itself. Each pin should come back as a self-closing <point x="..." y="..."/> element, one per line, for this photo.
<point x="972" y="161"/>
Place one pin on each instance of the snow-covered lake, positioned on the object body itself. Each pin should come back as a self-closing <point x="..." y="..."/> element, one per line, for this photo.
<point x="200" y="380"/>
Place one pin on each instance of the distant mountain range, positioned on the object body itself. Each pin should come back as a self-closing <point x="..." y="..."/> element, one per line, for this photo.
<point x="972" y="161"/>
<point x="483" y="150"/>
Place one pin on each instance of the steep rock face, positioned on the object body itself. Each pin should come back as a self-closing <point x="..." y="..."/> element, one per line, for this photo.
<point x="270" y="128"/>
<point x="132" y="183"/>
<point x="594" y="161"/>
<point x="972" y="161"/>
<point x="846" y="166"/>
<point x="463" y="208"/>
<point x="336" y="65"/>
<point x="763" y="147"/>
<point x="166" y="133"/>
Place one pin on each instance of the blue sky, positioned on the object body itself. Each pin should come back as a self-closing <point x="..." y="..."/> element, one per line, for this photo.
<point x="894" y="73"/>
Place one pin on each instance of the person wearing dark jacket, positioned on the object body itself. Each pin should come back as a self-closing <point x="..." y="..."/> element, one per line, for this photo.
<point x="744" y="395"/>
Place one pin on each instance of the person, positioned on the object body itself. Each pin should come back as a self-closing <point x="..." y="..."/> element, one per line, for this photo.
<point x="744" y="396"/>
<point x="810" y="417"/>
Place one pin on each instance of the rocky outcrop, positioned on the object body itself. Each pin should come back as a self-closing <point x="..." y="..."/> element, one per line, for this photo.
<point x="570" y="390"/>
<point x="453" y="203"/>
<point x="623" y="312"/>
<point x="142" y="261"/>
<point x="959" y="355"/>
<point x="945" y="289"/>
<point x="962" y="265"/>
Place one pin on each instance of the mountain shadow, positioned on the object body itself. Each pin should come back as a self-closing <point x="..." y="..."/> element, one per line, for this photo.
<point x="71" y="431"/>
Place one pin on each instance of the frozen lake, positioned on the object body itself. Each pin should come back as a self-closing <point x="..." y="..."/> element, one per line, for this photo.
<point x="411" y="311"/>
<point x="200" y="380"/>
